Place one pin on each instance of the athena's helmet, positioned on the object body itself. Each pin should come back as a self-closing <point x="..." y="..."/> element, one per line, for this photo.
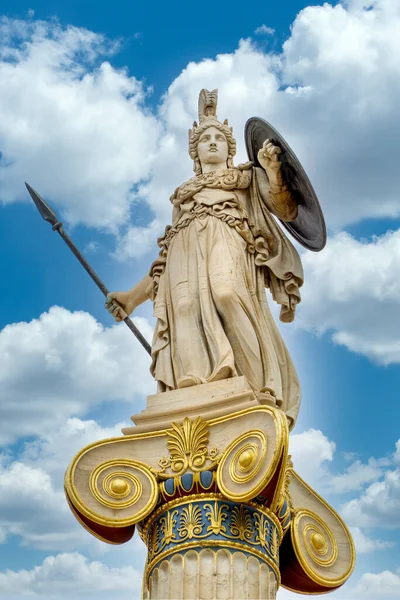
<point x="208" y="118"/>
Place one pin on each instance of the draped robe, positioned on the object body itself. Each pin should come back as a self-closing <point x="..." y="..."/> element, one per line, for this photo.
<point x="208" y="286"/>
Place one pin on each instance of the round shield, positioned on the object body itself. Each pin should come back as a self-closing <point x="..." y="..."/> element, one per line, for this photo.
<point x="309" y="226"/>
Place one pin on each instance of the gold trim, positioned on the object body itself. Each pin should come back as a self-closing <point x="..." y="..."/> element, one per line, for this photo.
<point x="279" y="448"/>
<point x="135" y="484"/>
<point x="316" y="577"/>
<point x="316" y="542"/>
<point x="284" y="457"/>
<point x="117" y="487"/>
<point x="209" y="544"/>
<point x="285" y="496"/>
<point x="155" y="434"/>
<point x="250" y="470"/>
<point x="108" y="521"/>
<point x="201" y="498"/>
<point x="352" y="553"/>
<point x="216" y="516"/>
<point x="188" y="447"/>
<point x="69" y="479"/>
<point x="328" y="538"/>
<point x="247" y="457"/>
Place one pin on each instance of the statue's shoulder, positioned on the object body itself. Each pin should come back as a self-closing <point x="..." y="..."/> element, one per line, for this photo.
<point x="186" y="189"/>
<point x="247" y="166"/>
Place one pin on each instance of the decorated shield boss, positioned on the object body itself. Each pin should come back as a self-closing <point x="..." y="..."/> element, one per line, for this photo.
<point x="309" y="226"/>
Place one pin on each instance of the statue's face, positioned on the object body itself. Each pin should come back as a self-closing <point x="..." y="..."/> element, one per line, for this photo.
<point x="212" y="147"/>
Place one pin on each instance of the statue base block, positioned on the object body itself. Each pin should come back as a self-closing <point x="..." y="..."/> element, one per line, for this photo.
<point x="208" y="400"/>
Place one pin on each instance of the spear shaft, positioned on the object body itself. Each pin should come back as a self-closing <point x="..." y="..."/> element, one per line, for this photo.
<point x="50" y="216"/>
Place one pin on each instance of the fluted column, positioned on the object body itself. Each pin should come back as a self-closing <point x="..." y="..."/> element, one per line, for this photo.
<point x="212" y="575"/>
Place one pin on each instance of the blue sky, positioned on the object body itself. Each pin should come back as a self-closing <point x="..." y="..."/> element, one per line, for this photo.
<point x="96" y="101"/>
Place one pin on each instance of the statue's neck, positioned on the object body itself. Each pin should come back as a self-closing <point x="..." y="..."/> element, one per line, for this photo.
<point x="213" y="167"/>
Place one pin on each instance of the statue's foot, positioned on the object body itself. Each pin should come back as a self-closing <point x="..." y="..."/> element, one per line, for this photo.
<point x="188" y="381"/>
<point x="225" y="372"/>
<point x="267" y="397"/>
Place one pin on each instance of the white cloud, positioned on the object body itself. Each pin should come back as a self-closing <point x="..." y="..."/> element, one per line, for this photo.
<point x="32" y="501"/>
<point x="92" y="247"/>
<point x="358" y="474"/>
<point x="54" y="450"/>
<point x="311" y="451"/>
<point x="138" y="241"/>
<point x="89" y="125"/>
<point x="72" y="126"/>
<point x="346" y="54"/>
<point x="352" y="289"/>
<point x="379" y="585"/>
<point x="379" y="502"/>
<point x="313" y="456"/>
<point x="378" y="506"/>
<point x="264" y="30"/>
<point x="3" y="535"/>
<point x="61" y="365"/>
<point x="71" y="575"/>
<point x="342" y="92"/>
<point x="397" y="453"/>
<point x="365" y="545"/>
<point x="32" y="509"/>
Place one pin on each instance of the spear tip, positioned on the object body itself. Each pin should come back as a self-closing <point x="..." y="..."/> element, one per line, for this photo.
<point x="45" y="210"/>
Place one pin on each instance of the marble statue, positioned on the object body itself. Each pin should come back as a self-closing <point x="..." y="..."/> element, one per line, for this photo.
<point x="223" y="249"/>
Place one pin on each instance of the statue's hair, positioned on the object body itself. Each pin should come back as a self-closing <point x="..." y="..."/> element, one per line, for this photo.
<point x="208" y="118"/>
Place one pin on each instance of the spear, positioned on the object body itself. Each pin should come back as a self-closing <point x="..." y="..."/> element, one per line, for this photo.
<point x="50" y="216"/>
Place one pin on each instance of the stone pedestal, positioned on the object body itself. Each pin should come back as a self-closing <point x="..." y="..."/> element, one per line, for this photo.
<point x="206" y="478"/>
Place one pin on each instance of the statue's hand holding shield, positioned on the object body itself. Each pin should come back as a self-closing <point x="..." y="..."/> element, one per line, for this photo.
<point x="268" y="158"/>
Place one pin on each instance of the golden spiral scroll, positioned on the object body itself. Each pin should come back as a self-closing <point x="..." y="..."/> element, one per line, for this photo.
<point x="317" y="550"/>
<point x="116" y="493"/>
<point x="124" y="487"/>
<point x="243" y="470"/>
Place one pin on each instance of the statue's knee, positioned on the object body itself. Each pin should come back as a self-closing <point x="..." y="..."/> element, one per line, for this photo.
<point x="185" y="307"/>
<point x="225" y="296"/>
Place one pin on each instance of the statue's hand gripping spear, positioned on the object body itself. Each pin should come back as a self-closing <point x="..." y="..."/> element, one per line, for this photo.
<point x="50" y="216"/>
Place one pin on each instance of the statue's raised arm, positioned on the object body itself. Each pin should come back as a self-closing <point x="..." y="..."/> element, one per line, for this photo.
<point x="223" y="249"/>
